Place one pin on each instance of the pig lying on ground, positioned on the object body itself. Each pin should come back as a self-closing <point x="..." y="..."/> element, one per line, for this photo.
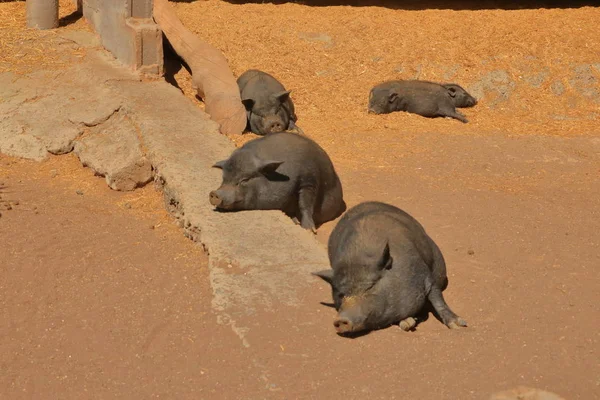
<point x="385" y="268"/>
<point x="281" y="171"/>
<point x="420" y="97"/>
<point x="268" y="105"/>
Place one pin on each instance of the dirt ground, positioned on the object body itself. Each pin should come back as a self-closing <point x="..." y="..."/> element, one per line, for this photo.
<point x="103" y="297"/>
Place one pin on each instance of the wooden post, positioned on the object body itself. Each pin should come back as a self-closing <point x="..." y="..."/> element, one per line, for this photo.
<point x="42" y="14"/>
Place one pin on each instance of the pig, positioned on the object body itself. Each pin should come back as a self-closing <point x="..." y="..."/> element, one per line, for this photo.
<point x="269" y="106"/>
<point x="427" y="99"/>
<point x="384" y="270"/>
<point x="281" y="171"/>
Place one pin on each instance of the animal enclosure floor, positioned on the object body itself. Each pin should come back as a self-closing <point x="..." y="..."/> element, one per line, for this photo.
<point x="103" y="296"/>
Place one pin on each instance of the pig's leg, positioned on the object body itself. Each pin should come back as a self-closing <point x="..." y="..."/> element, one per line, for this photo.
<point x="450" y="319"/>
<point x="407" y="324"/>
<point x="447" y="111"/>
<point x="306" y="204"/>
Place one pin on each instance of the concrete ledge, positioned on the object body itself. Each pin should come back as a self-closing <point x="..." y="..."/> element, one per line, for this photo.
<point x="257" y="259"/>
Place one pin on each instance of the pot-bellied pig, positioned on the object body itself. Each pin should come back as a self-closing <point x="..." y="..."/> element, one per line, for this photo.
<point x="281" y="171"/>
<point x="385" y="268"/>
<point x="268" y="105"/>
<point x="427" y="99"/>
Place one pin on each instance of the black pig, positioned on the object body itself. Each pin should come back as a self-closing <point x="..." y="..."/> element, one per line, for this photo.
<point x="281" y="171"/>
<point x="268" y="105"/>
<point x="427" y="99"/>
<point x="384" y="270"/>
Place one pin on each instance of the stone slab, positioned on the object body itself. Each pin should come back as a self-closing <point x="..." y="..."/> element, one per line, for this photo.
<point x="112" y="150"/>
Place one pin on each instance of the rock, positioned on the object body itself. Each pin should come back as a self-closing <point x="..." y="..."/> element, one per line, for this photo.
<point x="525" y="393"/>
<point x="113" y="150"/>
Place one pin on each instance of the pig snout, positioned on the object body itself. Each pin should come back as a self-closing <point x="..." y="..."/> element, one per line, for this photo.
<point x="215" y="199"/>
<point x="224" y="198"/>
<point x="350" y="319"/>
<point x="274" y="125"/>
<point x="343" y="325"/>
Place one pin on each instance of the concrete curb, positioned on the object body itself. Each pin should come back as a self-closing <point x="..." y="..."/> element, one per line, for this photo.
<point x="256" y="259"/>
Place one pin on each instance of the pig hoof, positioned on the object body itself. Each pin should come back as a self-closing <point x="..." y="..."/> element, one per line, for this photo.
<point x="309" y="226"/>
<point x="296" y="221"/>
<point x="457" y="323"/>
<point x="407" y="324"/>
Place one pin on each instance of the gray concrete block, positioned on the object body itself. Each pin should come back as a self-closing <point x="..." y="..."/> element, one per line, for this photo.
<point x="140" y="8"/>
<point x="148" y="46"/>
<point x="127" y="30"/>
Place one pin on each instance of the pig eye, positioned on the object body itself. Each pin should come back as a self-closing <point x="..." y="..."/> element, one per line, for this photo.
<point x="244" y="181"/>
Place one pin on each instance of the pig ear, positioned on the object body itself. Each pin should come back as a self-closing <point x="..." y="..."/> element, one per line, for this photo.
<point x="248" y="103"/>
<point x="451" y="90"/>
<point x="386" y="258"/>
<point x="267" y="167"/>
<point x="220" y="164"/>
<point x="326" y="275"/>
<point x="283" y="96"/>
<point x="392" y="96"/>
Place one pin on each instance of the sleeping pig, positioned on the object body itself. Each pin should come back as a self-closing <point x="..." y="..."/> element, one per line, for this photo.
<point x="427" y="99"/>
<point x="385" y="269"/>
<point x="281" y="171"/>
<point x="268" y="105"/>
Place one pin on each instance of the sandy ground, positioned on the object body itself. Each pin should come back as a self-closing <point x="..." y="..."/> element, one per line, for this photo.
<point x="99" y="304"/>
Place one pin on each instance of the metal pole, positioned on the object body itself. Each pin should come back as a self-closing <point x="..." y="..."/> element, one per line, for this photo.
<point x="42" y="14"/>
